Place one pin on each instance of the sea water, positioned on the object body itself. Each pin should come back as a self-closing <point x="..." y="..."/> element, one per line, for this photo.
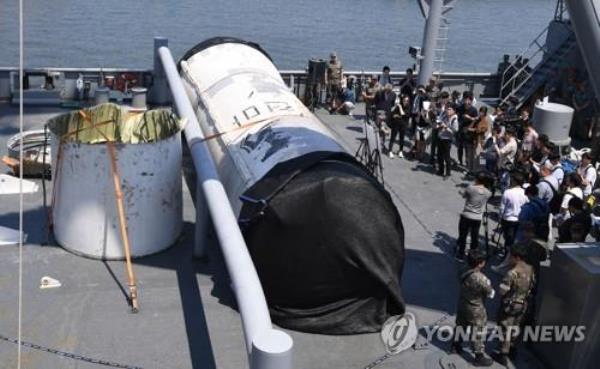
<point x="366" y="34"/>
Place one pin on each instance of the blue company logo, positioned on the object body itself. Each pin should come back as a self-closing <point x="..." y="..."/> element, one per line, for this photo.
<point x="399" y="333"/>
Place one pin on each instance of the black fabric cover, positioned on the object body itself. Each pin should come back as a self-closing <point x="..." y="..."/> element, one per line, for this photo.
<point x="329" y="247"/>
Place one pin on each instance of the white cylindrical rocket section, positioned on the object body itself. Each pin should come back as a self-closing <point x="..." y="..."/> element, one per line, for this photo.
<point x="251" y="119"/>
<point x="329" y="263"/>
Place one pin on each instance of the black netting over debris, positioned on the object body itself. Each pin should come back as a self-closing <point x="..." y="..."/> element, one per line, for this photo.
<point x="328" y="244"/>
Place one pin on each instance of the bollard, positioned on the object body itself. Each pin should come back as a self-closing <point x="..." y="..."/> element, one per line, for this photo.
<point x="138" y="100"/>
<point x="101" y="95"/>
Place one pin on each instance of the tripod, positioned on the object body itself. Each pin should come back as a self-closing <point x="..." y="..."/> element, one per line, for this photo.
<point x="369" y="152"/>
<point x="499" y="249"/>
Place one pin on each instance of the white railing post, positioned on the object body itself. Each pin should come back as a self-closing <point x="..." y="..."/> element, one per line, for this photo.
<point x="202" y="227"/>
<point x="267" y="348"/>
<point x="159" y="92"/>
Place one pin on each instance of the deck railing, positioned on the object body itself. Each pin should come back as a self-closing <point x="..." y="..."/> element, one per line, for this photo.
<point x="486" y="84"/>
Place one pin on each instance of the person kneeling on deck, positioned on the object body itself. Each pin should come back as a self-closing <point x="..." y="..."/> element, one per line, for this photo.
<point x="471" y="316"/>
<point x="347" y="98"/>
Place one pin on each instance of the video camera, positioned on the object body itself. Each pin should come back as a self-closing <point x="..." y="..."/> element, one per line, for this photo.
<point x="487" y="179"/>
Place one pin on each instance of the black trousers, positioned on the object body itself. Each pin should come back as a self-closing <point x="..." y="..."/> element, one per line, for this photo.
<point x="460" y="146"/>
<point x="444" y="164"/>
<point x="466" y="226"/>
<point x="509" y="231"/>
<point x="434" y="144"/>
<point x="398" y="130"/>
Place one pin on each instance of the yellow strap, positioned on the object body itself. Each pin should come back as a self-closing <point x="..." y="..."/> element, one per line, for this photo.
<point x="267" y="121"/>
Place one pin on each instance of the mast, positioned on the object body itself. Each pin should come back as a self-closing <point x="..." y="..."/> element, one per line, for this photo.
<point x="433" y="11"/>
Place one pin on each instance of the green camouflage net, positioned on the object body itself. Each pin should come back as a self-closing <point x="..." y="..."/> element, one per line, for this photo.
<point x="111" y="122"/>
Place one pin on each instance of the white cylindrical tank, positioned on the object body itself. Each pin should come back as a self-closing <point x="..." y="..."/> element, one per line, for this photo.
<point x="102" y="95"/>
<point x="69" y="91"/>
<point x="554" y="120"/>
<point x="85" y="214"/>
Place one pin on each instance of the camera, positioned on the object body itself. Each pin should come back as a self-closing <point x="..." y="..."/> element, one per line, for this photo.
<point x="488" y="180"/>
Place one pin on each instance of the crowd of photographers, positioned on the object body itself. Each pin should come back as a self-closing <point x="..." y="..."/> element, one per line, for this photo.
<point x="426" y="122"/>
<point x="503" y="153"/>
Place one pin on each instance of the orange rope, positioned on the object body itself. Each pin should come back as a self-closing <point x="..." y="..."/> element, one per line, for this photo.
<point x="56" y="184"/>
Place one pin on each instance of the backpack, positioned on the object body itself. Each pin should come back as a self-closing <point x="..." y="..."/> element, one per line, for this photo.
<point x="541" y="222"/>
<point x="556" y="200"/>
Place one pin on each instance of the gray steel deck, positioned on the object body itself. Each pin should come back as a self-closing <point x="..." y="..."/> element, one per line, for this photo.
<point x="188" y="317"/>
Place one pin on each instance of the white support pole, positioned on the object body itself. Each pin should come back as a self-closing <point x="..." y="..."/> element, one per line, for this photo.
<point x="159" y="93"/>
<point x="430" y="37"/>
<point x="202" y="223"/>
<point x="267" y="348"/>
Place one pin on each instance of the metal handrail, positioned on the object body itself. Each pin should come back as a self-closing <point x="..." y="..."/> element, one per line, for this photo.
<point x="284" y="72"/>
<point x="529" y="74"/>
<point x="267" y="348"/>
<point x="522" y="56"/>
<point x="523" y="69"/>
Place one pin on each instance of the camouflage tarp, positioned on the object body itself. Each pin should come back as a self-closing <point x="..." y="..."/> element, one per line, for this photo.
<point x="115" y="123"/>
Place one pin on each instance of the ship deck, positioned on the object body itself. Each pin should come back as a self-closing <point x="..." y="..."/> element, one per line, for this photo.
<point x="188" y="317"/>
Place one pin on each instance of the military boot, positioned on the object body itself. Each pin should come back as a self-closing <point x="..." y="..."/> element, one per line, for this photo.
<point x="512" y="354"/>
<point x="456" y="348"/>
<point x="482" y="360"/>
<point x="501" y="358"/>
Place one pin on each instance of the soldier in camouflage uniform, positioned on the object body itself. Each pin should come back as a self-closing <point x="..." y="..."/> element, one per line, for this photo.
<point x="475" y="287"/>
<point x="333" y="80"/>
<point x="515" y="290"/>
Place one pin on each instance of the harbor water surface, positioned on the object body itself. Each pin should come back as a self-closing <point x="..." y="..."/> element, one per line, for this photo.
<point x="366" y="33"/>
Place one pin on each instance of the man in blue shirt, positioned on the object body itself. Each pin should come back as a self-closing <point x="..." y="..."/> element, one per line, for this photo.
<point x="548" y="186"/>
<point x="535" y="211"/>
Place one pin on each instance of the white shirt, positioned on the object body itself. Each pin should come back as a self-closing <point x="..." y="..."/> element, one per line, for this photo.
<point x="509" y="151"/>
<point x="571" y="192"/>
<point x="529" y="140"/>
<point x="557" y="173"/>
<point x="575" y="191"/>
<point x="510" y="205"/>
<point x="589" y="174"/>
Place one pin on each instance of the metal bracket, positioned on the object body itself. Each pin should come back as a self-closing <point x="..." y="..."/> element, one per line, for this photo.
<point x="262" y="206"/>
